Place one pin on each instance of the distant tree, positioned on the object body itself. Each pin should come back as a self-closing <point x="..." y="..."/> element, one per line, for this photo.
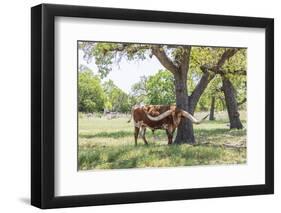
<point x="160" y="88"/>
<point x="138" y="93"/>
<point x="208" y="100"/>
<point x="116" y="99"/>
<point x="91" y="95"/>
<point x="212" y="109"/>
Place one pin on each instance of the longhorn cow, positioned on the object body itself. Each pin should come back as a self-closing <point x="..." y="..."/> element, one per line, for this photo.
<point x="159" y="117"/>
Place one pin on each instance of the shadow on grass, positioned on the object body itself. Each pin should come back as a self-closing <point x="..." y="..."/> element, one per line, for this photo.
<point x="119" y="134"/>
<point x="219" y="131"/>
<point x="107" y="157"/>
<point x="122" y="155"/>
<point x="156" y="156"/>
<point x="161" y="133"/>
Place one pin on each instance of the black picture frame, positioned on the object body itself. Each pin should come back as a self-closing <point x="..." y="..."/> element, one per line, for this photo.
<point x="43" y="102"/>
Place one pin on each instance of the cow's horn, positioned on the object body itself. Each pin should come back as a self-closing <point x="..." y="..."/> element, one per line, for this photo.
<point x="193" y="119"/>
<point x="159" y="117"/>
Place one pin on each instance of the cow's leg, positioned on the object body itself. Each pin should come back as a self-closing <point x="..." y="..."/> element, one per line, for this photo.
<point x="170" y="136"/>
<point x="153" y="134"/>
<point x="143" y="136"/>
<point x="141" y="132"/>
<point x="137" y="129"/>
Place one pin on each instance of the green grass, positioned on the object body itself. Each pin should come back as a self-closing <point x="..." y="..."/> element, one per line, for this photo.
<point x="109" y="144"/>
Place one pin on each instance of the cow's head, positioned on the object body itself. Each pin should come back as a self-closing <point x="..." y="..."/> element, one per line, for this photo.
<point x="177" y="115"/>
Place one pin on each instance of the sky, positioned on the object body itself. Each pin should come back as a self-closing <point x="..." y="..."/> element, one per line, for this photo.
<point x="128" y="72"/>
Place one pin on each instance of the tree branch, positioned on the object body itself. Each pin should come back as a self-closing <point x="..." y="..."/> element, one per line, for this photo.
<point x="225" y="56"/>
<point x="235" y="72"/>
<point x="217" y="68"/>
<point x="199" y="89"/>
<point x="207" y="77"/>
<point x="242" y="102"/>
<point x="164" y="59"/>
<point x="129" y="47"/>
<point x="225" y="72"/>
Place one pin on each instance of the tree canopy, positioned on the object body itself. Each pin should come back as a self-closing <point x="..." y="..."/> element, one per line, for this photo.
<point x="91" y="95"/>
<point x="159" y="88"/>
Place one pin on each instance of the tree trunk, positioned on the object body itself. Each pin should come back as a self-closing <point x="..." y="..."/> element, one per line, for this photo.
<point x="231" y="104"/>
<point x="212" y="110"/>
<point x="185" y="132"/>
<point x="185" y="129"/>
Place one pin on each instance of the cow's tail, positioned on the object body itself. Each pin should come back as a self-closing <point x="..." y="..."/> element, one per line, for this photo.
<point x="132" y="111"/>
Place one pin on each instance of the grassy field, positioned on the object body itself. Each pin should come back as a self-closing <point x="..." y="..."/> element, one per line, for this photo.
<point x="109" y="144"/>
